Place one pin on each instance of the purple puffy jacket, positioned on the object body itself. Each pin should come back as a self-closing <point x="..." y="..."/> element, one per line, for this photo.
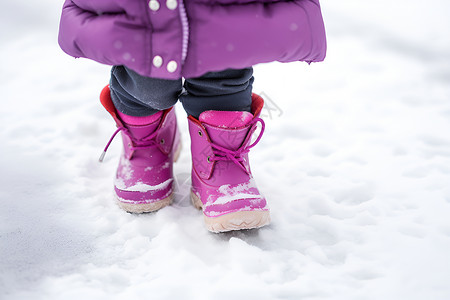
<point x="172" y="39"/>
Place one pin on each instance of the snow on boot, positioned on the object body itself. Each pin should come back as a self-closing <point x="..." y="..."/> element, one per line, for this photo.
<point x="222" y="182"/>
<point x="144" y="178"/>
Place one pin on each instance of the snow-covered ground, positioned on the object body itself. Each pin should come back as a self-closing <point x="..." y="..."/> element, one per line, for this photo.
<point x="355" y="163"/>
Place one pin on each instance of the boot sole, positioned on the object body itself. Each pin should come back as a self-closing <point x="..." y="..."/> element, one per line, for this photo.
<point x="145" y="207"/>
<point x="153" y="206"/>
<point x="249" y="219"/>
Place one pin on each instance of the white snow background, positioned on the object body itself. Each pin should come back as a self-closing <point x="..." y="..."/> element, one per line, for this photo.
<point x="355" y="163"/>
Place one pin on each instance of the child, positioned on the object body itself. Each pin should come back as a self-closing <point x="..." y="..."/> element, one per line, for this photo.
<point x="152" y="45"/>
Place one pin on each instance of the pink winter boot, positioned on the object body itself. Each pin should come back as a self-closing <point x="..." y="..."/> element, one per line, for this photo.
<point x="144" y="177"/>
<point x="222" y="182"/>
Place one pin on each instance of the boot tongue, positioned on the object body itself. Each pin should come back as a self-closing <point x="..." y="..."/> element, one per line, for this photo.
<point x="143" y="131"/>
<point x="140" y="121"/>
<point x="234" y="121"/>
<point x="141" y="127"/>
<point x="226" y="119"/>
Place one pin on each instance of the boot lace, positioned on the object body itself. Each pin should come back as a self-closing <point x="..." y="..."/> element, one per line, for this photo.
<point x="135" y="145"/>
<point x="224" y="154"/>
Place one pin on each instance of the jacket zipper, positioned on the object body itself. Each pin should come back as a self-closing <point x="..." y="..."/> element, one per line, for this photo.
<point x="185" y="30"/>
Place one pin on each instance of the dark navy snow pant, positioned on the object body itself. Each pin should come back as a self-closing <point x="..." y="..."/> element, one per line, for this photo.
<point x="136" y="95"/>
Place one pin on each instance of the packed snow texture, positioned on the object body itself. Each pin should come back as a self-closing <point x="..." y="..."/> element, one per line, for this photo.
<point x="355" y="164"/>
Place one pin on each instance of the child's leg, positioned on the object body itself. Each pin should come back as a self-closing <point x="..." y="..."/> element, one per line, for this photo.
<point x="141" y="107"/>
<point x="228" y="90"/>
<point x="136" y="95"/>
